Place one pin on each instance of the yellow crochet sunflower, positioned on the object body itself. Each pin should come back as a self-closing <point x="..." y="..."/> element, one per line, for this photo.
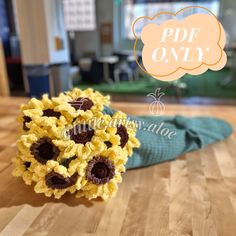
<point x="122" y="132"/>
<point x="83" y="138"/>
<point x="53" y="179"/>
<point x="23" y="169"/>
<point x="38" y="161"/>
<point x="80" y="103"/>
<point x="43" y="112"/>
<point x="101" y="177"/>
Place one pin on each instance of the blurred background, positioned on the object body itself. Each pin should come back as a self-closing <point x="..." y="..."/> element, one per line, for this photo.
<point x="49" y="46"/>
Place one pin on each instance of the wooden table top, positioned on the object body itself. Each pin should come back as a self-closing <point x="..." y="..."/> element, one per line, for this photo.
<point x="194" y="195"/>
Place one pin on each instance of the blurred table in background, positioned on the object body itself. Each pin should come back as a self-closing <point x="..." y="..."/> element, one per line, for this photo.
<point x="111" y="60"/>
<point x="194" y="195"/>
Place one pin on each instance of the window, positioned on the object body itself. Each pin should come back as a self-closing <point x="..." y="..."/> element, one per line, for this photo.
<point x="136" y="8"/>
<point x="80" y="15"/>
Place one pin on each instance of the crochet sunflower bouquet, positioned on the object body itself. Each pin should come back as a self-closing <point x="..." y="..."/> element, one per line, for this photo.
<point x="69" y="145"/>
<point x="76" y="143"/>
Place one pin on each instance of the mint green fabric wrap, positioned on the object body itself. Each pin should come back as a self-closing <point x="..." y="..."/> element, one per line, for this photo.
<point x="158" y="144"/>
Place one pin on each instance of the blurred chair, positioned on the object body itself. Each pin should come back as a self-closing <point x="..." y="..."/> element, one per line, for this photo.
<point x="91" y="70"/>
<point x="109" y="63"/>
<point x="134" y="66"/>
<point x="123" y="69"/>
<point x="179" y="87"/>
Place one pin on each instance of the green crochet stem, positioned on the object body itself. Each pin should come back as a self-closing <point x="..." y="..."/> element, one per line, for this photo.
<point x="164" y="138"/>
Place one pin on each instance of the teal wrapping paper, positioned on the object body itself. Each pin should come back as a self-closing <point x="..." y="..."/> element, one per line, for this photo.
<point x="164" y="138"/>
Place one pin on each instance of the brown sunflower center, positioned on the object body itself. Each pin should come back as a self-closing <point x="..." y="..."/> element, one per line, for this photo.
<point x="51" y="113"/>
<point x="66" y="162"/>
<point x="44" y="150"/>
<point x="124" y="136"/>
<point x="27" y="164"/>
<point x="108" y="144"/>
<point x="82" y="104"/>
<point x="100" y="170"/>
<point x="26" y="119"/>
<point x="57" y="181"/>
<point x="81" y="133"/>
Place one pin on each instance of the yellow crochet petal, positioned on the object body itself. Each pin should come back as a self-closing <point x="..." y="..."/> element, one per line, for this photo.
<point x="27" y="177"/>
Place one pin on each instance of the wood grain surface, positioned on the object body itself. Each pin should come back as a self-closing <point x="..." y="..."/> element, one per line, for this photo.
<point x="194" y="195"/>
